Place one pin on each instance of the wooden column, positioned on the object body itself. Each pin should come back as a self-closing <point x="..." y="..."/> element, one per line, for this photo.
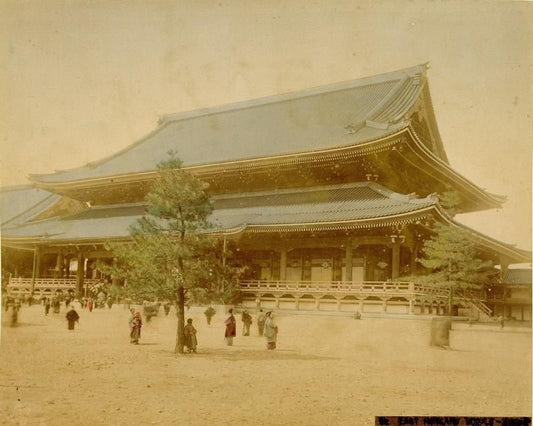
<point x="80" y="273"/>
<point x="38" y="262"/>
<point x="395" y="260"/>
<point x="36" y="265"/>
<point x="283" y="265"/>
<point x="59" y="265"/>
<point x="349" y="254"/>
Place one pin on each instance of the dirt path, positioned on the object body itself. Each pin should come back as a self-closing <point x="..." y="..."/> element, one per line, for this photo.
<point x="326" y="370"/>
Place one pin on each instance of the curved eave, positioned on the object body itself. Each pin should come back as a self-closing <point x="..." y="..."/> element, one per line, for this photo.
<point x="517" y="255"/>
<point x="22" y="243"/>
<point x="377" y="222"/>
<point x="434" y="162"/>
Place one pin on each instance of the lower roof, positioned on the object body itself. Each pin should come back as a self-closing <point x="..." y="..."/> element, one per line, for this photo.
<point x="364" y="203"/>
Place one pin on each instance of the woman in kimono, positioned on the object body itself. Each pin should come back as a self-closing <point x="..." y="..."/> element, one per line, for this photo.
<point x="135" y="323"/>
<point x="270" y="331"/>
<point x="231" y="328"/>
<point x="189" y="332"/>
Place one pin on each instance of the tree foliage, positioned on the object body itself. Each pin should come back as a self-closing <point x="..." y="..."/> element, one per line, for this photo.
<point x="170" y="256"/>
<point x="452" y="258"/>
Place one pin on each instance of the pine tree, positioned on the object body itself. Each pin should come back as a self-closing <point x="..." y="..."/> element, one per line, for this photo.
<point x="452" y="255"/>
<point x="170" y="256"/>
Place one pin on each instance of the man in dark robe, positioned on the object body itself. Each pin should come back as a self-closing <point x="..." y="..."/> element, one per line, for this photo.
<point x="72" y="318"/>
<point x="231" y="328"/>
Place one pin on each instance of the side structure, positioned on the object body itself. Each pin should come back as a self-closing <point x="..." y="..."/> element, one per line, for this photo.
<point x="326" y="195"/>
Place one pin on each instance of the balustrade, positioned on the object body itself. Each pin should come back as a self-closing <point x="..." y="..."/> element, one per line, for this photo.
<point x="46" y="283"/>
<point x="376" y="287"/>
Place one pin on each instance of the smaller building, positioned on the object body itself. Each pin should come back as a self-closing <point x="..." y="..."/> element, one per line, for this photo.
<point x="512" y="298"/>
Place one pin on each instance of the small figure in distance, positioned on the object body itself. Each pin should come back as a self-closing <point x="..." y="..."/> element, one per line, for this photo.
<point x="261" y="317"/>
<point x="135" y="323"/>
<point x="231" y="328"/>
<point x="72" y="317"/>
<point x="271" y="331"/>
<point x="189" y="333"/>
<point x="209" y="313"/>
<point x="247" y="322"/>
<point x="357" y="315"/>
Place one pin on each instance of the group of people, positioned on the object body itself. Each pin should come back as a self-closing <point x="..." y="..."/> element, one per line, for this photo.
<point x="265" y="323"/>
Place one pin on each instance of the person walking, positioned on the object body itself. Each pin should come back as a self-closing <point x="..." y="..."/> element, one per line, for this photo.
<point x="135" y="323"/>
<point x="46" y="305"/>
<point x="209" y="313"/>
<point x="261" y="317"/>
<point x="247" y="322"/>
<point x="72" y="317"/>
<point x="231" y="328"/>
<point x="271" y="331"/>
<point x="189" y="333"/>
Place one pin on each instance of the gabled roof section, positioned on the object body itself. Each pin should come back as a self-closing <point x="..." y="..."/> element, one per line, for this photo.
<point x="343" y="114"/>
<point x="21" y="203"/>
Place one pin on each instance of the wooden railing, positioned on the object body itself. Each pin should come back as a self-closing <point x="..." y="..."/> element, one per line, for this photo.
<point x="392" y="288"/>
<point x="328" y="286"/>
<point x="47" y="283"/>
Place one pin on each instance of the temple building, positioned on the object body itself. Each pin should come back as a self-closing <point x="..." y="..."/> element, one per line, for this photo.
<point x="327" y="195"/>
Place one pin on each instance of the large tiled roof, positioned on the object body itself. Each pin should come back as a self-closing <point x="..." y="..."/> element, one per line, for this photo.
<point x="21" y="203"/>
<point x="343" y="114"/>
<point x="359" y="202"/>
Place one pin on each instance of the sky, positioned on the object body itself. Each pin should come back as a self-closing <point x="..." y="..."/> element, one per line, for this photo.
<point x="81" y="80"/>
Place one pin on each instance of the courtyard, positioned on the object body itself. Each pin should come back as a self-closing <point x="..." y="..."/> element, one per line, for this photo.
<point x="327" y="369"/>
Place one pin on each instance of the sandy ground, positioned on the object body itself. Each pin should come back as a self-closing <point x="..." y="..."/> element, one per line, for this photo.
<point x="327" y="370"/>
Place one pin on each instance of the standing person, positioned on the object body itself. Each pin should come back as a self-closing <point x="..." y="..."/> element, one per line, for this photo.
<point x="166" y="307"/>
<point x="56" y="304"/>
<point x="247" y="322"/>
<point x="46" y="305"/>
<point x="72" y="317"/>
<point x="15" y="307"/>
<point x="271" y="331"/>
<point x="90" y="304"/>
<point x="231" y="328"/>
<point x="261" y="317"/>
<point x="209" y="313"/>
<point x="189" y="332"/>
<point x="135" y="323"/>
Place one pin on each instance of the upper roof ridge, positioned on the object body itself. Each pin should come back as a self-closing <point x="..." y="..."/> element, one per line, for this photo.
<point x="402" y="74"/>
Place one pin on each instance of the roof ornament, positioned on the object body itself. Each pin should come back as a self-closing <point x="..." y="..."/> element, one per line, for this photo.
<point x="350" y="129"/>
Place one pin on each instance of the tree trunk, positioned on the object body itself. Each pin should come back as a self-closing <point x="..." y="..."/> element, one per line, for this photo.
<point x="180" y="306"/>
